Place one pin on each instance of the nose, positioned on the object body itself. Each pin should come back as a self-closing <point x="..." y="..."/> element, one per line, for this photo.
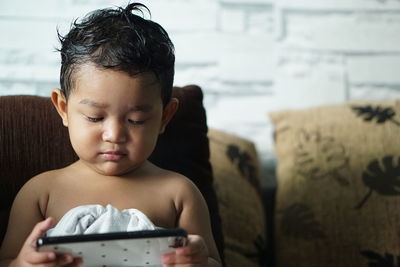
<point x="114" y="132"/>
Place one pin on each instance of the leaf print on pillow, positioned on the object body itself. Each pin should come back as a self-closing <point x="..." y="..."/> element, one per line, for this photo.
<point x="243" y="162"/>
<point x="298" y="221"/>
<point x="385" y="179"/>
<point x="381" y="114"/>
<point x="318" y="157"/>
<point x="261" y="252"/>
<point x="378" y="260"/>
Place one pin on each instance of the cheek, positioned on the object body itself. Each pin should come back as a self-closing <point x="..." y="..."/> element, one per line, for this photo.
<point x="82" y="136"/>
<point x="146" y="138"/>
<point x="143" y="138"/>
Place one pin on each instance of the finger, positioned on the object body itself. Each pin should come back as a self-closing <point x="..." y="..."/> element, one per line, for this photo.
<point x="53" y="259"/>
<point x="64" y="259"/>
<point x="185" y="256"/>
<point x="76" y="262"/>
<point x="184" y="259"/>
<point x="196" y="245"/>
<point x="29" y="246"/>
<point x="173" y="259"/>
<point x="183" y="265"/>
<point x="38" y="231"/>
<point x="50" y="264"/>
<point x="35" y="257"/>
<point x="68" y="260"/>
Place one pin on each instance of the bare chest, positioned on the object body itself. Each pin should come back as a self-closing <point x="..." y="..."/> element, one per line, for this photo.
<point x="155" y="203"/>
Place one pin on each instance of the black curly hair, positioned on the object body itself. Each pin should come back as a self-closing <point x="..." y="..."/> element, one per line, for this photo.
<point x="118" y="39"/>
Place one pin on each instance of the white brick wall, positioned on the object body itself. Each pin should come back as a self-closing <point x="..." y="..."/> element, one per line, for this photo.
<point x="249" y="56"/>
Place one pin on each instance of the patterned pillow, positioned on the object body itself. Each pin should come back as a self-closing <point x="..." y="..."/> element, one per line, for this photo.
<point x="236" y="181"/>
<point x="338" y="195"/>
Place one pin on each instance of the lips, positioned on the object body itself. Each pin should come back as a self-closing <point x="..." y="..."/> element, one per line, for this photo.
<point x="112" y="155"/>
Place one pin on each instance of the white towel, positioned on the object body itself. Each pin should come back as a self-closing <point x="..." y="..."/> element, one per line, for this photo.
<point x="90" y="219"/>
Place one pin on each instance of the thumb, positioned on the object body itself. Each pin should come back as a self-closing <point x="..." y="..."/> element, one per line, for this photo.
<point x="38" y="231"/>
<point x="196" y="245"/>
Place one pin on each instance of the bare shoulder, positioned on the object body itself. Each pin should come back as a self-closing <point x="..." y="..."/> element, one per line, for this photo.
<point x="41" y="183"/>
<point x="177" y="179"/>
<point x="35" y="193"/>
<point x="28" y="207"/>
<point x="182" y="187"/>
<point x="182" y="190"/>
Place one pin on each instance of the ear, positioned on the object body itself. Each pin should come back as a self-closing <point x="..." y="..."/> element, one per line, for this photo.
<point x="60" y="103"/>
<point x="168" y="113"/>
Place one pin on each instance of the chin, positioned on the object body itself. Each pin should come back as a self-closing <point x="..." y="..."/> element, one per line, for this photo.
<point x="115" y="170"/>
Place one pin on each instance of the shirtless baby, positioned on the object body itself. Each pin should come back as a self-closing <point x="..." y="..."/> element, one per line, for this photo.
<point x="116" y="80"/>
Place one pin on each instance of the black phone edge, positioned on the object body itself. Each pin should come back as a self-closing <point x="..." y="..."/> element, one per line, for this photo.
<point x="51" y="240"/>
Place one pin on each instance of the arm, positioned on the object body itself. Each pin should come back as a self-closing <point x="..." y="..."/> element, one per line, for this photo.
<point x="25" y="213"/>
<point x="194" y="217"/>
<point x="19" y="244"/>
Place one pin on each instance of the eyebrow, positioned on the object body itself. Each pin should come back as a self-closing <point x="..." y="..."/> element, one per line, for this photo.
<point x="144" y="108"/>
<point x="92" y="103"/>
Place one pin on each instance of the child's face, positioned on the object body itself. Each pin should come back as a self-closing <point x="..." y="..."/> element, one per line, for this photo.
<point x="114" y="119"/>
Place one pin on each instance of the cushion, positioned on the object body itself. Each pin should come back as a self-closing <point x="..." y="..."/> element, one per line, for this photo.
<point x="33" y="140"/>
<point x="237" y="184"/>
<point x="184" y="148"/>
<point x="338" y="194"/>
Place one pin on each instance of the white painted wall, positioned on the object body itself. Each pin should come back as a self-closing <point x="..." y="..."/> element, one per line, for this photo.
<point x="249" y="56"/>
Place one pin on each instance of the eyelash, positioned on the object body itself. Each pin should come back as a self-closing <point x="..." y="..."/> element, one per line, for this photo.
<point x="91" y="119"/>
<point x="133" y="122"/>
<point x="136" y="122"/>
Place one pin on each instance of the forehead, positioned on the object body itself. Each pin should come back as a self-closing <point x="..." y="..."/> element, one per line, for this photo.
<point x="89" y="76"/>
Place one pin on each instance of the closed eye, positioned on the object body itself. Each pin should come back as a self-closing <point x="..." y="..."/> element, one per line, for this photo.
<point x="92" y="119"/>
<point x="133" y="122"/>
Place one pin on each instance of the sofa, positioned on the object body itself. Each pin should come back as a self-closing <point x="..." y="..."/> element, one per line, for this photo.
<point x="337" y="199"/>
<point x="224" y="167"/>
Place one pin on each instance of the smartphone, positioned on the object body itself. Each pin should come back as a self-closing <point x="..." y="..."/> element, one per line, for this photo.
<point x="135" y="248"/>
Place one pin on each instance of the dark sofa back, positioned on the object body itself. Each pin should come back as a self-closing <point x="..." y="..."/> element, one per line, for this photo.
<point x="33" y="140"/>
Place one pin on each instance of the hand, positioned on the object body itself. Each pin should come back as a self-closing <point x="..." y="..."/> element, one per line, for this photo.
<point x="29" y="256"/>
<point x="194" y="254"/>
